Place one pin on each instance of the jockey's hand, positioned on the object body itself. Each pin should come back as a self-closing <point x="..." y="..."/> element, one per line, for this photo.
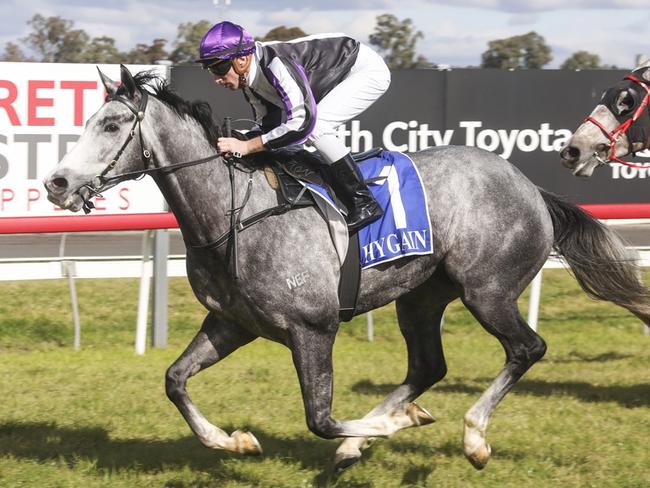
<point x="237" y="148"/>
<point x="232" y="146"/>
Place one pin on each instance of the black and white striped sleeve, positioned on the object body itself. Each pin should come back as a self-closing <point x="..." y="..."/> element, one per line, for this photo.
<point x="290" y="81"/>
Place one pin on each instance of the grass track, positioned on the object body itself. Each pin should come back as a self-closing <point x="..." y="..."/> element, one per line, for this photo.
<point x="100" y="418"/>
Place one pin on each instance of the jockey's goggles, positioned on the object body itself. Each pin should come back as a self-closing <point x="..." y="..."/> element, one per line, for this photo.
<point x="221" y="67"/>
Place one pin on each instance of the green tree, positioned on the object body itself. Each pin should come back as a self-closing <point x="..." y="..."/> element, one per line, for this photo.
<point x="283" y="33"/>
<point x="148" y="54"/>
<point x="524" y="51"/>
<point x="13" y="53"/>
<point x="102" y="50"/>
<point x="186" y="45"/>
<point x="395" y="40"/>
<point x="582" y="60"/>
<point x="55" y="41"/>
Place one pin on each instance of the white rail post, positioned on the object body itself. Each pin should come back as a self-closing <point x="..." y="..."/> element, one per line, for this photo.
<point x="533" y="301"/>
<point x="143" y="299"/>
<point x="371" y="327"/>
<point x="160" y="286"/>
<point x="69" y="271"/>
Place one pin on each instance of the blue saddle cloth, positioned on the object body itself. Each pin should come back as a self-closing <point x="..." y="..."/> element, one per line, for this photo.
<point x="405" y="227"/>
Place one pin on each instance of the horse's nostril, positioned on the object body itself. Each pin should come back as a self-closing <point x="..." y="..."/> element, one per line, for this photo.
<point x="60" y="183"/>
<point x="570" y="153"/>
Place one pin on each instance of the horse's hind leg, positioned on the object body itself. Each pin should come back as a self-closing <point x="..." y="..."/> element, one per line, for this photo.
<point x="419" y="321"/>
<point x="523" y="347"/>
<point x="311" y="348"/>
<point x="214" y="341"/>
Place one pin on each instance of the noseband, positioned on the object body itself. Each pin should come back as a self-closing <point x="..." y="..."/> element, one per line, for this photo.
<point x="616" y="135"/>
<point x="100" y="181"/>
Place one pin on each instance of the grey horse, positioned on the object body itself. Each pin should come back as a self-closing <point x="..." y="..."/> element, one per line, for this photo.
<point x="492" y="231"/>
<point x="618" y="126"/>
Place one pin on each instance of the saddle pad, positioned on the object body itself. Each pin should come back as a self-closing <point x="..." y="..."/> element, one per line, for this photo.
<point x="332" y="215"/>
<point x="405" y="227"/>
<point x="403" y="230"/>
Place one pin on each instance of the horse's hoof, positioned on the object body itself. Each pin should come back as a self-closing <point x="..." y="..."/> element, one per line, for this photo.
<point x="418" y="415"/>
<point x="480" y="457"/>
<point x="349" y="452"/>
<point x="345" y="461"/>
<point x="246" y="443"/>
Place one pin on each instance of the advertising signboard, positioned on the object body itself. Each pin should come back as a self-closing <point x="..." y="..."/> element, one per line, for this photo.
<point x="525" y="116"/>
<point x="43" y="110"/>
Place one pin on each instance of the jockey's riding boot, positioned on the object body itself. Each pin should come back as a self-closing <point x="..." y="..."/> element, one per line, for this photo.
<point x="352" y="191"/>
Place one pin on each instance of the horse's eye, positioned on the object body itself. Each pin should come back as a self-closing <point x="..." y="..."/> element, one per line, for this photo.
<point x="111" y="128"/>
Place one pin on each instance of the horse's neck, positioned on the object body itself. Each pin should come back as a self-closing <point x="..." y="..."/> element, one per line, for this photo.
<point x="200" y="213"/>
<point x="197" y="195"/>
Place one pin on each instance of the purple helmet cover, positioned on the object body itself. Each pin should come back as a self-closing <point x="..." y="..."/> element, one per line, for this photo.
<point x="225" y="40"/>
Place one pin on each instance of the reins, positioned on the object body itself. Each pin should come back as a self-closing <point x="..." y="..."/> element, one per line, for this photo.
<point x="235" y="212"/>
<point x="615" y="135"/>
<point x="101" y="181"/>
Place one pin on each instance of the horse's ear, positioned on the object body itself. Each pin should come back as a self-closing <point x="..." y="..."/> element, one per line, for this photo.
<point x="110" y="86"/>
<point x="128" y="82"/>
<point x="645" y="74"/>
<point x="645" y="63"/>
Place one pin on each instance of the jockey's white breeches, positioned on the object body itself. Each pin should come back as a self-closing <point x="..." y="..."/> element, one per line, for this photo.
<point x="368" y="79"/>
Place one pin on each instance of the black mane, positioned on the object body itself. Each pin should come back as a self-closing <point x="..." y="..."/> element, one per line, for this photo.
<point x="198" y="110"/>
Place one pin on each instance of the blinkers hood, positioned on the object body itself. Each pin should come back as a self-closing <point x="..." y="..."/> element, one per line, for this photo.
<point x="639" y="131"/>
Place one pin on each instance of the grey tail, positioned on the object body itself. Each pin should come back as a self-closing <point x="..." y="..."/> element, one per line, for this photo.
<point x="598" y="258"/>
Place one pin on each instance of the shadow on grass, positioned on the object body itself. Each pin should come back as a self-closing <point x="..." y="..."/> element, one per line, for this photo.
<point x="48" y="442"/>
<point x="448" y="449"/>
<point x="367" y="387"/>
<point x="630" y="396"/>
<point x="595" y="317"/>
<point x="17" y="332"/>
<point x="580" y="357"/>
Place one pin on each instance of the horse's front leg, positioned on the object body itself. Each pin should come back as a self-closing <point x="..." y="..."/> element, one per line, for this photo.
<point x="212" y="343"/>
<point x="312" y="355"/>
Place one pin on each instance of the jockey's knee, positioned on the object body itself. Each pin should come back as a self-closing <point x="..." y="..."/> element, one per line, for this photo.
<point x="330" y="146"/>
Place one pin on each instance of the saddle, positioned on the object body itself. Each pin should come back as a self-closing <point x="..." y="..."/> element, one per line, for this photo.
<point x="286" y="170"/>
<point x="291" y="166"/>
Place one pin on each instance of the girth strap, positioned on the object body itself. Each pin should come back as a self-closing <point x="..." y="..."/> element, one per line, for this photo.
<point x="349" y="280"/>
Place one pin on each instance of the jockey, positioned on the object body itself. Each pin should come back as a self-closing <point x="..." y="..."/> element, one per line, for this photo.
<point x="300" y="92"/>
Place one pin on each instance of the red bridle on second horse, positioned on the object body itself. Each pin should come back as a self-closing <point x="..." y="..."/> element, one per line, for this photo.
<point x="615" y="135"/>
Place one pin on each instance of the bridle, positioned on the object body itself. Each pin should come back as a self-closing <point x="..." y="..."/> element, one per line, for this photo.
<point x="100" y="182"/>
<point x="615" y="135"/>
